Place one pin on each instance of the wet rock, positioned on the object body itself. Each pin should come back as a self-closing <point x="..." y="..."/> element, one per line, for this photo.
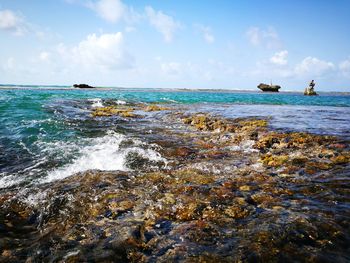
<point x="112" y="110"/>
<point x="182" y="152"/>
<point x="299" y="161"/>
<point x="156" y="108"/>
<point x="206" y="123"/>
<point x="320" y="165"/>
<point x="235" y="191"/>
<point x="274" y="160"/>
<point x="253" y="123"/>
<point x="341" y="159"/>
<point x="237" y="211"/>
<point x="188" y="212"/>
<point x="267" y="142"/>
<point x="245" y="188"/>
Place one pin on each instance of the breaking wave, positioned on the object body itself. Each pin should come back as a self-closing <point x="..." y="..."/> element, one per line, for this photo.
<point x="111" y="152"/>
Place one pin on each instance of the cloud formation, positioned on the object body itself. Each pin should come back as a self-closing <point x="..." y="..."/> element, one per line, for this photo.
<point x="344" y="68"/>
<point x="280" y="58"/>
<point x="110" y="10"/>
<point x="311" y="66"/>
<point x="268" y="38"/>
<point x="114" y="11"/>
<point x="44" y="56"/>
<point x="206" y="32"/>
<point x="12" y="22"/>
<point x="163" y="23"/>
<point x="105" y="52"/>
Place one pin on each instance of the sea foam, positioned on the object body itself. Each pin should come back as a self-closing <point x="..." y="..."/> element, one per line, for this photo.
<point x="96" y="103"/>
<point x="104" y="153"/>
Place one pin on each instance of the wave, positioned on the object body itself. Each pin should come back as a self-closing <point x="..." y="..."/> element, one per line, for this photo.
<point x="7" y="181"/>
<point x="108" y="153"/>
<point x="121" y="102"/>
<point x="169" y="100"/>
<point x="96" y="103"/>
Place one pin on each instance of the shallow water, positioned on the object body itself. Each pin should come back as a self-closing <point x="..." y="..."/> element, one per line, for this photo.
<point x="207" y="193"/>
<point x="46" y="130"/>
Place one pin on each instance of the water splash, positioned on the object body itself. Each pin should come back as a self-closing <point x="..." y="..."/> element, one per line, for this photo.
<point x="105" y="153"/>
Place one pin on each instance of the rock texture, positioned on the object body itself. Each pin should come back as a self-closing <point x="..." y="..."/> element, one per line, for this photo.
<point x="310" y="91"/>
<point x="233" y="191"/>
<point x="270" y="88"/>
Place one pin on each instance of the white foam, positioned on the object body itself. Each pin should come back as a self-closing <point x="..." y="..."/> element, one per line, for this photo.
<point x="244" y="146"/>
<point x="34" y="198"/>
<point x="103" y="153"/>
<point x="121" y="102"/>
<point x="8" y="180"/>
<point x="96" y="103"/>
<point x="167" y="99"/>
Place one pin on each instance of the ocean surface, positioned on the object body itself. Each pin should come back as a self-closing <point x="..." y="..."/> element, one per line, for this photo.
<point x="47" y="133"/>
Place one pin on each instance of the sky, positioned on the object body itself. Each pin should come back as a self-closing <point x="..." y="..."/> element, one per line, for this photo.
<point x="176" y="44"/>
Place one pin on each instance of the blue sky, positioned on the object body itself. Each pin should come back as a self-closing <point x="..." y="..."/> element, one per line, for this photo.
<point x="176" y="44"/>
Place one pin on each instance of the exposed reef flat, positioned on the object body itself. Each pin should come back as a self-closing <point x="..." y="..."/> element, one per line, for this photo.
<point x="228" y="190"/>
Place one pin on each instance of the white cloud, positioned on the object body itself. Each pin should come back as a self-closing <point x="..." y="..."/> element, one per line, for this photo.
<point x="110" y="10"/>
<point x="344" y="67"/>
<point x="280" y="58"/>
<point x="278" y="67"/>
<point x="207" y="33"/>
<point x="268" y="38"/>
<point x="106" y="51"/>
<point x="113" y="11"/>
<point x="12" y="22"/>
<point x="311" y="66"/>
<point x="165" y="24"/>
<point x="44" y="56"/>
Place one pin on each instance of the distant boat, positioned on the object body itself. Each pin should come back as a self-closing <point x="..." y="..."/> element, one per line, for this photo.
<point x="82" y="86"/>
<point x="271" y="88"/>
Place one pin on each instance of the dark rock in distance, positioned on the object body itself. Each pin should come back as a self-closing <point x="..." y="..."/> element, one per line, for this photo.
<point x="271" y="88"/>
<point x="83" y="86"/>
<point x="310" y="92"/>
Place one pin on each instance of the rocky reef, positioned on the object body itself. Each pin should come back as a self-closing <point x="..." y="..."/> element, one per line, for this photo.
<point x="233" y="190"/>
<point x="113" y="110"/>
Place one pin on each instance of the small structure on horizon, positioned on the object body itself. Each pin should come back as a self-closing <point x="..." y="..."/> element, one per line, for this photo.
<point x="309" y="91"/>
<point x="269" y="88"/>
<point x="83" y="86"/>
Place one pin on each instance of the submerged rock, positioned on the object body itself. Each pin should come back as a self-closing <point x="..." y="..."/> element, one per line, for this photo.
<point x="233" y="191"/>
<point x="112" y="110"/>
<point x="207" y="123"/>
<point x="156" y="108"/>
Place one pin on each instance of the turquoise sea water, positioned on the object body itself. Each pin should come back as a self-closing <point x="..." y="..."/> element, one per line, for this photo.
<point x="46" y="131"/>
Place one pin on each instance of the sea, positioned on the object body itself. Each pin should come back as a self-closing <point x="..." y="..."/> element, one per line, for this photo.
<point x="47" y="132"/>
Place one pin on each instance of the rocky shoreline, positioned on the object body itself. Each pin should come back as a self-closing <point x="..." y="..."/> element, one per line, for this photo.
<point x="231" y="190"/>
